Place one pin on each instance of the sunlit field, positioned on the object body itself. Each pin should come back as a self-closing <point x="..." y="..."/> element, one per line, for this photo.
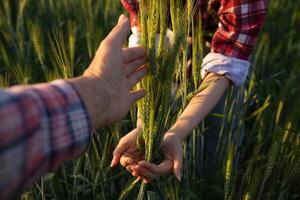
<point x="258" y="151"/>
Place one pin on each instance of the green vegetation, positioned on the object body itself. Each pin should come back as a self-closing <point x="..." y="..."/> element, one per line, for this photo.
<point x="259" y="141"/>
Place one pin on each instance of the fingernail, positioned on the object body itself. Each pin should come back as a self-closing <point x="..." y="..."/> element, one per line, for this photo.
<point x="111" y="164"/>
<point x="123" y="19"/>
<point x="179" y="177"/>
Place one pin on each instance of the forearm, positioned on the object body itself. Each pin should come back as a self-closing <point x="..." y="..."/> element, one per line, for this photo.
<point x="201" y="105"/>
<point x="40" y="127"/>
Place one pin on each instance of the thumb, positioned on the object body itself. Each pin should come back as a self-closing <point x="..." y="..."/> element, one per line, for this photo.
<point x="119" y="34"/>
<point x="121" y="147"/>
<point x="177" y="164"/>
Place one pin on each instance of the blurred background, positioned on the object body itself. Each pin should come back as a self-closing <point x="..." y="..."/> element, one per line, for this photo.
<point x="259" y="141"/>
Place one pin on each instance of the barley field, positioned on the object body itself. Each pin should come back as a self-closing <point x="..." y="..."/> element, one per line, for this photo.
<point x="258" y="151"/>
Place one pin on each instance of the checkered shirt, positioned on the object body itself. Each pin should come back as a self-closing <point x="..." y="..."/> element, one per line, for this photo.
<point x="239" y="23"/>
<point x="40" y="127"/>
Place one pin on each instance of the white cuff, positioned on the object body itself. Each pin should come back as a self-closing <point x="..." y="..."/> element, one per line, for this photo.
<point x="134" y="39"/>
<point x="234" y="69"/>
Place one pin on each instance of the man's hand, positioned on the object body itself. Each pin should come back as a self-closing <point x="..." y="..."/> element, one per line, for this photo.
<point x="106" y="85"/>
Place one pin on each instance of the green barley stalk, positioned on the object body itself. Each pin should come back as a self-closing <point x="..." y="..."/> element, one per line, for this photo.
<point x="273" y="155"/>
<point x="4" y="81"/>
<point x="197" y="48"/>
<point x="36" y="38"/>
<point x="7" y="10"/>
<point x="61" y="53"/>
<point x="229" y="173"/>
<point x="21" y="74"/>
<point x="153" y="109"/>
<point x="127" y="190"/>
<point x="21" y="6"/>
<point x="71" y="41"/>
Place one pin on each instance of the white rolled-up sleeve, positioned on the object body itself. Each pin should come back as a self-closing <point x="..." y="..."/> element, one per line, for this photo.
<point x="236" y="70"/>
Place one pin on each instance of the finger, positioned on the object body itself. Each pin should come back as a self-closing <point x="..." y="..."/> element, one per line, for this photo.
<point x="130" y="54"/>
<point x="120" y="149"/>
<point x="164" y="167"/>
<point x="129" y="168"/>
<point x="147" y="180"/>
<point x="136" y="95"/>
<point x="138" y="175"/>
<point x="134" y="65"/>
<point x="177" y="165"/>
<point x="144" y="172"/>
<point x="135" y="77"/>
<point x="135" y="174"/>
<point x="137" y="131"/>
<point x="119" y="34"/>
<point x="141" y="177"/>
<point x="126" y="160"/>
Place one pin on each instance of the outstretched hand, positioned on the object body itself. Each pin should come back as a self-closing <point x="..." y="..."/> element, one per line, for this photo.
<point x="116" y="70"/>
<point x="172" y="150"/>
<point x="126" y="152"/>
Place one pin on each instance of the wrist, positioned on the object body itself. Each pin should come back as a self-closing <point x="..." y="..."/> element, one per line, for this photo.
<point x="94" y="96"/>
<point x="170" y="134"/>
<point x="180" y="129"/>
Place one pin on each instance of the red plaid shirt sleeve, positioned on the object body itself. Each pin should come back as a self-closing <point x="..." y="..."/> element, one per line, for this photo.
<point x="40" y="127"/>
<point x="240" y="22"/>
<point x="132" y="6"/>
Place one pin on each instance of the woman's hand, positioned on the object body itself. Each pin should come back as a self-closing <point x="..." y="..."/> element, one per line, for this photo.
<point x="126" y="152"/>
<point x="172" y="150"/>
